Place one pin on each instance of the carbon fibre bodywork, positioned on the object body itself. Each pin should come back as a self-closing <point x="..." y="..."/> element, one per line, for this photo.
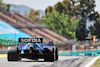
<point x="32" y="50"/>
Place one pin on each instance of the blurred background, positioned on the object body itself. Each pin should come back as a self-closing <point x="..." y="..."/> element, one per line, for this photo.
<point x="72" y="25"/>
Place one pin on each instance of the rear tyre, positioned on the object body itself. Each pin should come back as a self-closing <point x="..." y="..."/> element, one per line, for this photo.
<point x="56" y="54"/>
<point x="49" y="54"/>
<point x="12" y="54"/>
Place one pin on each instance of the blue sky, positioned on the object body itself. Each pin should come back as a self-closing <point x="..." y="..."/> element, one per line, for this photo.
<point x="41" y="4"/>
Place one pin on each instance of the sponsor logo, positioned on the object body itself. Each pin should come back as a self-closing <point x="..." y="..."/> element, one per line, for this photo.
<point x="31" y="40"/>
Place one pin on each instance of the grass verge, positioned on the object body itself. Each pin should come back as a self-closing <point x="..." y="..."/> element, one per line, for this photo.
<point x="96" y="64"/>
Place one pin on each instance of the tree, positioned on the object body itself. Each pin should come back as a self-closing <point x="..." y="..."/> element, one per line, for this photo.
<point x="1" y="5"/>
<point x="82" y="9"/>
<point x="81" y="32"/>
<point x="4" y="7"/>
<point x="59" y="23"/>
<point x="33" y="15"/>
<point x="48" y="10"/>
<point x="95" y="29"/>
<point x="87" y="12"/>
<point x="67" y="6"/>
<point x="58" y="7"/>
<point x="8" y="7"/>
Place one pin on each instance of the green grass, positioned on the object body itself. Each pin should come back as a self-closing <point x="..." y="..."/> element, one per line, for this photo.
<point x="96" y="64"/>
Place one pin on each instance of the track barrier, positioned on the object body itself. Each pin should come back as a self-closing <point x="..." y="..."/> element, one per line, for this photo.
<point x="81" y="53"/>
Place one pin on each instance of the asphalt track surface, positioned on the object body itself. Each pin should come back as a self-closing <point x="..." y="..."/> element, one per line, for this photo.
<point x="64" y="61"/>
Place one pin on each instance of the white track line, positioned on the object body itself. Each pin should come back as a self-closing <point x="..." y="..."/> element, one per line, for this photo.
<point x="92" y="62"/>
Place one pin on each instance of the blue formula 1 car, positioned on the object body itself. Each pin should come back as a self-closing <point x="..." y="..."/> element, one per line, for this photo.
<point x="34" y="51"/>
